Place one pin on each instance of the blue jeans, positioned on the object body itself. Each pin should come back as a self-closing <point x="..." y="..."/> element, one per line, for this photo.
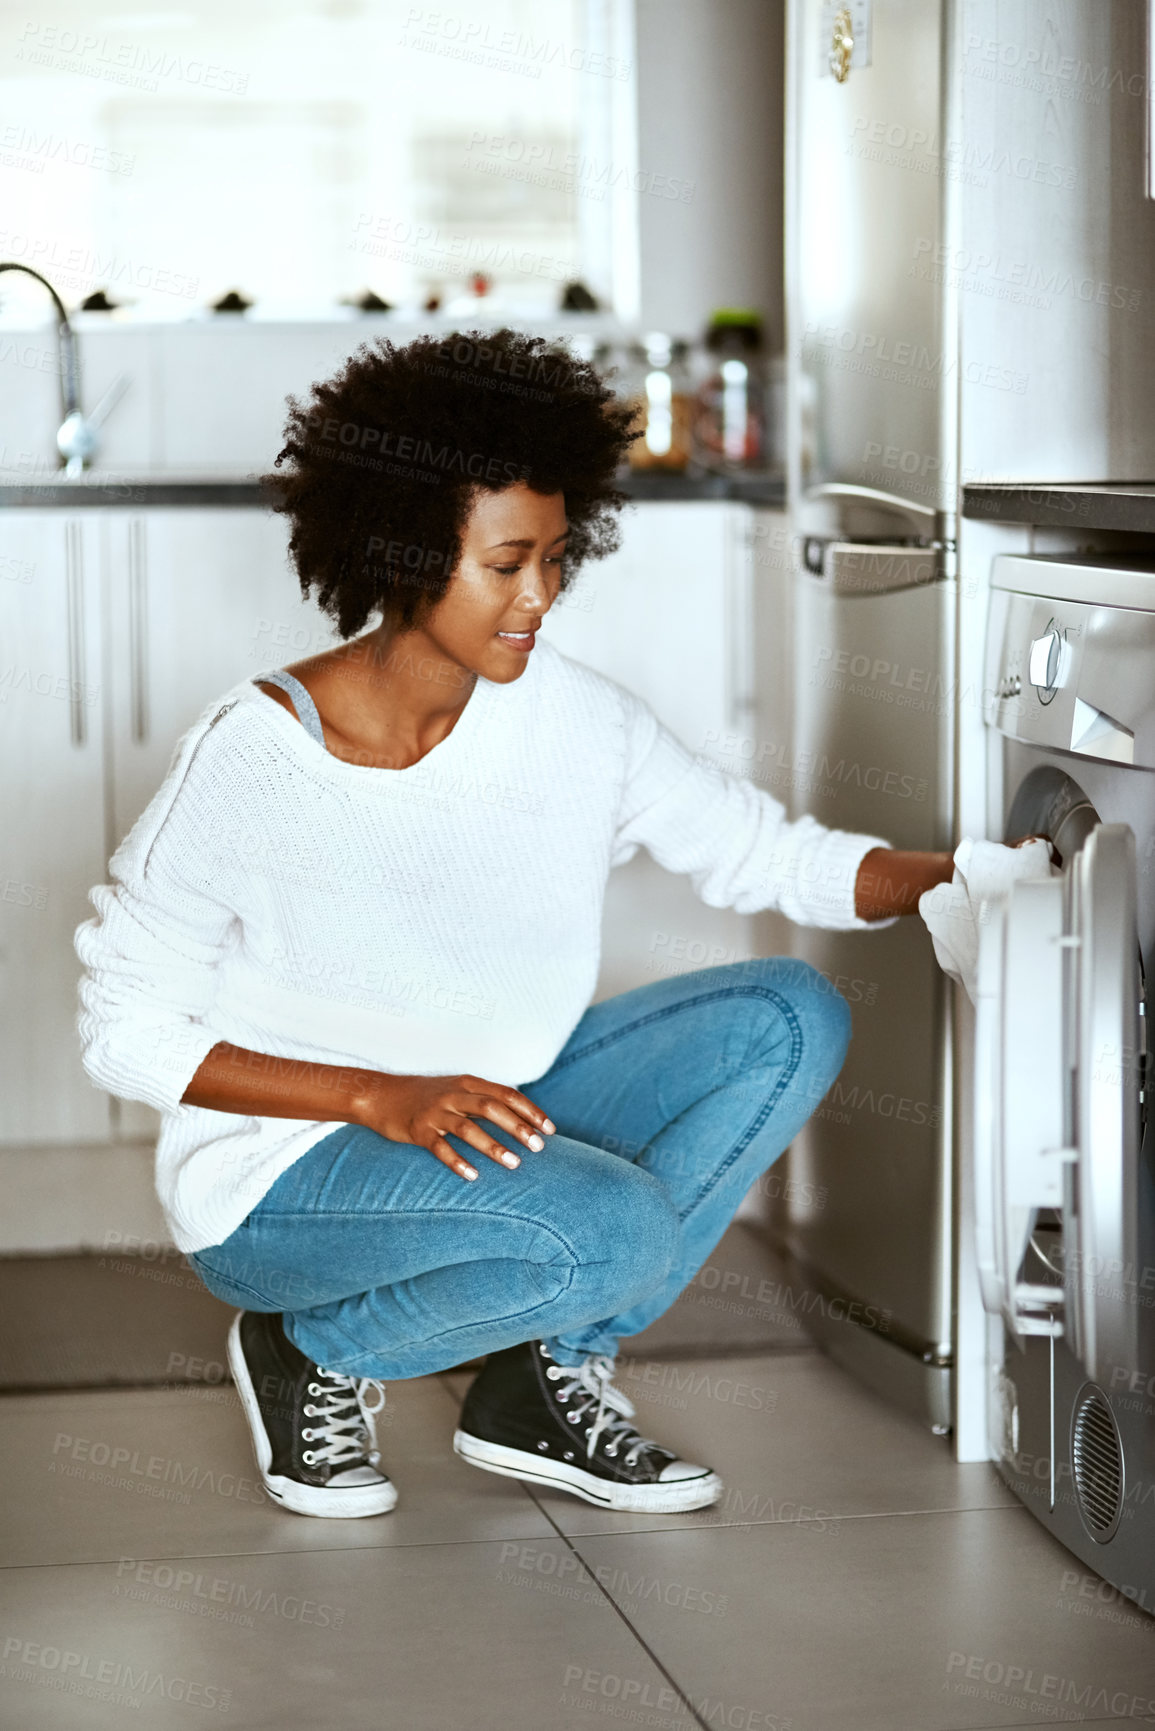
<point x="669" y="1101"/>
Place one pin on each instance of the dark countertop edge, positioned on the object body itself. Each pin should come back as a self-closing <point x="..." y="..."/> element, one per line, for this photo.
<point x="85" y="495"/>
<point x="1126" y="506"/>
<point x="740" y="489"/>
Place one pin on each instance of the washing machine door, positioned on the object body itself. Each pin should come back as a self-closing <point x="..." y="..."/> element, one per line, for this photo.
<point x="1021" y="1145"/>
<point x="1058" y="1096"/>
<point x="1106" y="1047"/>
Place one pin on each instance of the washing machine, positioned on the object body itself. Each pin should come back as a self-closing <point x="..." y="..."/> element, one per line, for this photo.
<point x="1065" y="1198"/>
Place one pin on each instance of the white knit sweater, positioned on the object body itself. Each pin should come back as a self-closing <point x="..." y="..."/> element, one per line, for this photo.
<point x="425" y="921"/>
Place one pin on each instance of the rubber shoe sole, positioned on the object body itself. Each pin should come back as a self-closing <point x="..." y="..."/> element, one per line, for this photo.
<point x="652" y="1499"/>
<point x="352" y="1503"/>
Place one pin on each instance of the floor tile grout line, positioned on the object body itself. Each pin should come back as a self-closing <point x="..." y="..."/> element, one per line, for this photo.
<point x="809" y="1521"/>
<point x="901" y="1514"/>
<point x="722" y="1351"/>
<point x="1111" y="1719"/>
<point x="160" y="1385"/>
<point x="292" y="1551"/>
<point x="148" y="1385"/>
<point x="618" y="1612"/>
<point x="432" y="1544"/>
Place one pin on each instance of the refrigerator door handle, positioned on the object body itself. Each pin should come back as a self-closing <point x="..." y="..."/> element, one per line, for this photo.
<point x="847" y="510"/>
<point x="873" y="567"/>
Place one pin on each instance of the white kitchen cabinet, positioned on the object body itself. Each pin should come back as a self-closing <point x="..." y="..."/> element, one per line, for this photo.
<point x="668" y="616"/>
<point x="52" y="833"/>
<point x="118" y="627"/>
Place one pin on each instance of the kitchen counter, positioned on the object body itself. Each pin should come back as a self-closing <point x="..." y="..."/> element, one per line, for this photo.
<point x="1128" y="505"/>
<point x="148" y="491"/>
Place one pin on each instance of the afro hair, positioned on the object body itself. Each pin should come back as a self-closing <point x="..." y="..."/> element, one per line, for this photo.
<point x="381" y="466"/>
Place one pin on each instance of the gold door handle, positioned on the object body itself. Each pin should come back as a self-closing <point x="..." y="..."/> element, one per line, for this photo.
<point x="841" y="45"/>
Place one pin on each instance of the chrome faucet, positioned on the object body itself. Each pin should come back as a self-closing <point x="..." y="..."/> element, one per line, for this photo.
<point x="76" y="439"/>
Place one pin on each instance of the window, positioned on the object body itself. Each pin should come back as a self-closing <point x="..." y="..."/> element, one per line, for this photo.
<point x="302" y="153"/>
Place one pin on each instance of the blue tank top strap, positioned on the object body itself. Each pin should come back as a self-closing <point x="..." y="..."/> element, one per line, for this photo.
<point x="303" y="703"/>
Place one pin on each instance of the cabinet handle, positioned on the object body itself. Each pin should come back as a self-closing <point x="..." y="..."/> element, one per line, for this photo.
<point x="740" y="702"/>
<point x="138" y="630"/>
<point x="74" y="592"/>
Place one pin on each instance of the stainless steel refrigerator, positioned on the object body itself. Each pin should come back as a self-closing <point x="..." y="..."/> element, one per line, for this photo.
<point x="866" y="1221"/>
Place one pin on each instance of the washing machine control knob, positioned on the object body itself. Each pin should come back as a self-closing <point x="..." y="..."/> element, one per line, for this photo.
<point x="1049" y="660"/>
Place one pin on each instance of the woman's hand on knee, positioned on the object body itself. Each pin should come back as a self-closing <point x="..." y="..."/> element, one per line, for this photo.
<point x="425" y="1109"/>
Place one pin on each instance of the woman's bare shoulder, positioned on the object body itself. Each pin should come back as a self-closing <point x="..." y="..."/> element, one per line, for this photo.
<point x="278" y="696"/>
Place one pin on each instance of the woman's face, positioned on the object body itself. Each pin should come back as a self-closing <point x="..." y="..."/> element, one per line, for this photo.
<point x="506" y="582"/>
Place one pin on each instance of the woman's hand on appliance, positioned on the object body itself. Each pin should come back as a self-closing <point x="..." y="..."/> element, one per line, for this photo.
<point x="424" y="1109"/>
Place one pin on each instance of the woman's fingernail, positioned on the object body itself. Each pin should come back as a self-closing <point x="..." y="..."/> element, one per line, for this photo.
<point x="510" y="1160"/>
<point x="535" y="1141"/>
<point x="468" y="1172"/>
<point x="549" y="1127"/>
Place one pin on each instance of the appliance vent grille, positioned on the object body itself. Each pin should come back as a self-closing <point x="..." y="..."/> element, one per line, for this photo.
<point x="1097" y="1459"/>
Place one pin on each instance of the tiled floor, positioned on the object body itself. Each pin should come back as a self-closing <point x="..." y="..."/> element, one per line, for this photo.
<point x="853" y="1577"/>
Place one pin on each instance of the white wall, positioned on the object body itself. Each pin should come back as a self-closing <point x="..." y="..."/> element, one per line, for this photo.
<point x="710" y="111"/>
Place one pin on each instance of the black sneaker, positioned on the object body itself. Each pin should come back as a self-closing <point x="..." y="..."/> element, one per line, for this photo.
<point x="324" y="1467"/>
<point x="531" y="1418"/>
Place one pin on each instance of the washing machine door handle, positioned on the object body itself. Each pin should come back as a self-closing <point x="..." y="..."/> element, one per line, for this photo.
<point x="1106" y="1060"/>
<point x="1021" y="1146"/>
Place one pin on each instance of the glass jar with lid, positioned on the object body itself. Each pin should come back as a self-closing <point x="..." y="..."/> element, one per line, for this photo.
<point x="658" y="383"/>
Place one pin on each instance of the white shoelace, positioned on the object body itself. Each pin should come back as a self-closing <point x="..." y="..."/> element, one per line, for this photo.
<point x="592" y="1381"/>
<point x="597" y="1374"/>
<point x="349" y="1420"/>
